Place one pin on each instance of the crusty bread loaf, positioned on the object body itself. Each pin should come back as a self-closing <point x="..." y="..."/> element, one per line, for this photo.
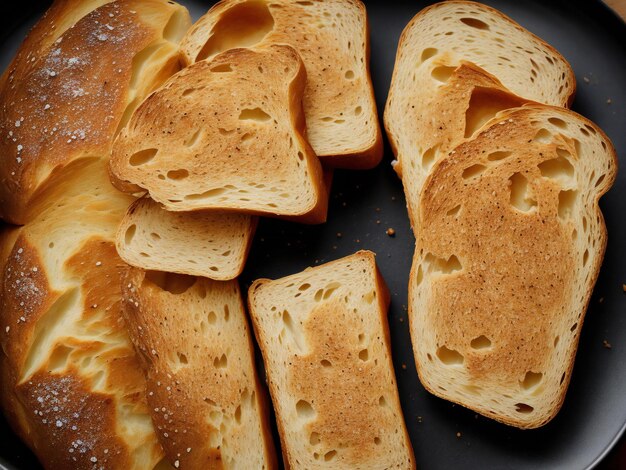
<point x="208" y="407"/>
<point x="454" y="59"/>
<point x="324" y="338"/>
<point x="208" y="244"/>
<point x="333" y="39"/>
<point x="71" y="384"/>
<point x="79" y="74"/>
<point x="226" y="134"/>
<point x="509" y="246"/>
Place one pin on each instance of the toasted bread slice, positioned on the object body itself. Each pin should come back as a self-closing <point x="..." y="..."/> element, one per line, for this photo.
<point x="209" y="244"/>
<point x="74" y="81"/>
<point x="324" y="338"/>
<point x="509" y="246"/>
<point x="207" y="404"/>
<point x="441" y="119"/>
<point x="226" y="134"/>
<point x="448" y="54"/>
<point x="332" y="37"/>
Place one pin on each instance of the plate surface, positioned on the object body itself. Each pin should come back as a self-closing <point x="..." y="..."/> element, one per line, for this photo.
<point x="594" y="414"/>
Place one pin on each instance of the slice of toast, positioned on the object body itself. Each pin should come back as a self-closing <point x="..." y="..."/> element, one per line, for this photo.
<point x="332" y="37"/>
<point x="208" y="244"/>
<point x="325" y="341"/>
<point x="509" y="246"/>
<point x="206" y="402"/>
<point x="78" y="75"/>
<point x="226" y="134"/>
<point x="447" y="55"/>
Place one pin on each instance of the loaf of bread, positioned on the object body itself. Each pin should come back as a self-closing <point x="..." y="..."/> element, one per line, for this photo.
<point x="208" y="407"/>
<point x="226" y="134"/>
<point x="71" y="385"/>
<point x="324" y="338"/>
<point x="76" y="78"/>
<point x="332" y="37"/>
<point x="209" y="244"/>
<point x="509" y="246"/>
<point x="454" y="59"/>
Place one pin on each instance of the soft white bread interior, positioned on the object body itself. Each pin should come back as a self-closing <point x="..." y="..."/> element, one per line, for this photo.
<point x="226" y="134"/>
<point x="509" y="246"/>
<point x="209" y="244"/>
<point x="76" y="78"/>
<point x="332" y="37"/>
<point x="324" y="338"/>
<point x="71" y="384"/>
<point x="207" y="404"/>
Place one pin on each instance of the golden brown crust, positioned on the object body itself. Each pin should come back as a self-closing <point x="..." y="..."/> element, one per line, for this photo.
<point x="62" y="99"/>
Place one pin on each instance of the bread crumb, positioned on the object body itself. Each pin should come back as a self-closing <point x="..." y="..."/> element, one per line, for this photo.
<point x="624" y="288"/>
<point x="601" y="300"/>
<point x="339" y="235"/>
<point x="391" y="232"/>
<point x="98" y="263"/>
<point x="606" y="344"/>
<point x="608" y="101"/>
<point x="585" y="79"/>
<point x="419" y="419"/>
<point x="458" y="434"/>
<point x="403" y="366"/>
<point x="378" y="222"/>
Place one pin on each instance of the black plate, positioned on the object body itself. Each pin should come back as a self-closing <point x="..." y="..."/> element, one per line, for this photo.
<point x="593" y="417"/>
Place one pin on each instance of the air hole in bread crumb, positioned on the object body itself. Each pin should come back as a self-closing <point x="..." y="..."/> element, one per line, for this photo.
<point x="364" y="354"/>
<point x="475" y="23"/>
<point x="155" y="236"/>
<point x="600" y="180"/>
<point x="523" y="408"/>
<point x="560" y="123"/>
<point x="428" y="53"/>
<point x="497" y="156"/>
<point x="558" y="167"/>
<point x="238" y="414"/>
<point x="212" y="318"/>
<point x="173" y="283"/>
<point x="314" y="439"/>
<point x="330" y="455"/>
<point x="520" y="199"/>
<point x="254" y="114"/>
<point x="429" y="156"/>
<point x="221" y="362"/>
<point x="419" y="277"/>
<point x="142" y="157"/>
<point x="481" y="342"/>
<point x="473" y="171"/>
<point x="556" y="341"/>
<point x="304" y="286"/>
<point x="300" y="156"/>
<point x="177" y="174"/>
<point x="325" y="363"/>
<point x="361" y="338"/>
<point x="450" y="357"/>
<point x="358" y="110"/>
<point x="573" y="327"/>
<point x="585" y="257"/>
<point x="349" y="75"/>
<point x="382" y="401"/>
<point x="543" y="136"/>
<point x="130" y="234"/>
<point x="442" y="265"/>
<point x="304" y="409"/>
<point x="454" y="211"/>
<point x="59" y="358"/>
<point x="442" y="73"/>
<point x="222" y="68"/>
<point x="193" y="139"/>
<point x="182" y="359"/>
<point x="484" y="104"/>
<point x="567" y="200"/>
<point x="531" y="380"/>
<point x="330" y="289"/>
<point x="562" y="379"/>
<point x="377" y="441"/>
<point x="243" y="25"/>
<point x="370" y="297"/>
